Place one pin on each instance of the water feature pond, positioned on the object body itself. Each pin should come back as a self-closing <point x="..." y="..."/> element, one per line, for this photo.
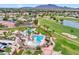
<point x="71" y="23"/>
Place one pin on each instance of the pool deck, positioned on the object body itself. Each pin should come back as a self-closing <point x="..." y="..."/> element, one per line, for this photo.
<point x="7" y="41"/>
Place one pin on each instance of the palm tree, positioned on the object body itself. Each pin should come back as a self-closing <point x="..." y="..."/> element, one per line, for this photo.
<point x="5" y="34"/>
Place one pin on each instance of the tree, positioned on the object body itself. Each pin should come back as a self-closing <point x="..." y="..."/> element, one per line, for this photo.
<point x="37" y="51"/>
<point x="18" y="22"/>
<point x="8" y="50"/>
<point x="2" y="26"/>
<point x="47" y="27"/>
<point x="34" y="16"/>
<point x="29" y="13"/>
<point x="35" y="22"/>
<point x="71" y="30"/>
<point x="18" y="15"/>
<point x="5" y="18"/>
<point x="14" y="19"/>
<point x="53" y="31"/>
<point x="61" y="20"/>
<point x="28" y="52"/>
<point x="5" y="35"/>
<point x="51" y="17"/>
<point x="54" y="18"/>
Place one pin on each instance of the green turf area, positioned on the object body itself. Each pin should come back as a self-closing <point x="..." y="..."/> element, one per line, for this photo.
<point x="62" y="44"/>
<point x="67" y="18"/>
<point x="58" y="27"/>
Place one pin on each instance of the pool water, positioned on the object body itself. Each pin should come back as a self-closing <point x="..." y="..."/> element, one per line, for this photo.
<point x="71" y="23"/>
<point x="38" y="38"/>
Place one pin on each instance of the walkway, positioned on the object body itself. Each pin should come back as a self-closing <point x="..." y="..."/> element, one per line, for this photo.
<point x="67" y="38"/>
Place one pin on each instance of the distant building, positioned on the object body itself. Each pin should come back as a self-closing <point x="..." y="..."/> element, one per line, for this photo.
<point x="8" y="24"/>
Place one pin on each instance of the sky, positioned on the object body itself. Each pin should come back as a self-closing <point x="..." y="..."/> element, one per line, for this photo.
<point x="33" y="5"/>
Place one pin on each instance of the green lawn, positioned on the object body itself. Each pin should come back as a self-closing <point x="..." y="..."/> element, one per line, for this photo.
<point x="67" y="18"/>
<point x="58" y="27"/>
<point x="62" y="44"/>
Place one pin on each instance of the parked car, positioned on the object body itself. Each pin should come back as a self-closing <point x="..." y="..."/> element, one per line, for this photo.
<point x="1" y="47"/>
<point x="4" y="45"/>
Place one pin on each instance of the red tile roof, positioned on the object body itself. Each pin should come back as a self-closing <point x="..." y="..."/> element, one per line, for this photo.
<point x="8" y="24"/>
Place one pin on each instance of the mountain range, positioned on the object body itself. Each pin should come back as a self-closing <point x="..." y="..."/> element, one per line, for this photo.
<point x="51" y="6"/>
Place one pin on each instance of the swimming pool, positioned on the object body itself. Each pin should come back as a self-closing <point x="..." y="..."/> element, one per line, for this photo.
<point x="38" y="38"/>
